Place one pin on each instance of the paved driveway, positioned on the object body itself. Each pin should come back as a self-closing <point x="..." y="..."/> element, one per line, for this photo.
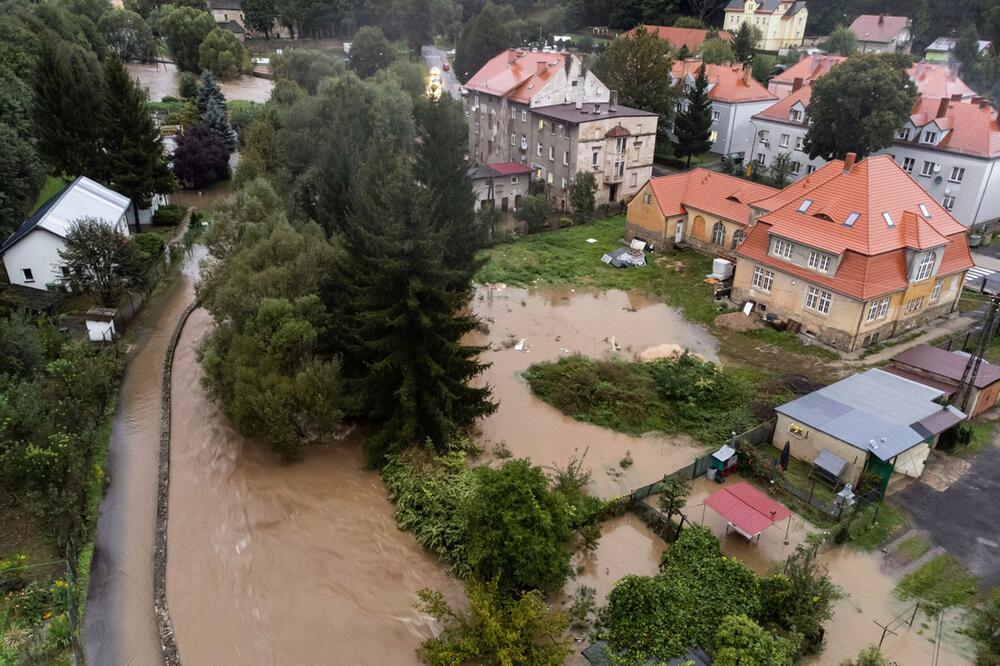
<point x="964" y="518"/>
<point x="436" y="57"/>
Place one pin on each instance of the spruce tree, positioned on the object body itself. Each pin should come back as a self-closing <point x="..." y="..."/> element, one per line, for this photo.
<point x="214" y="118"/>
<point x="69" y="109"/>
<point x="440" y="166"/>
<point x="134" y="154"/>
<point x="744" y="43"/>
<point x="209" y="90"/>
<point x="693" y="125"/>
<point x="400" y="321"/>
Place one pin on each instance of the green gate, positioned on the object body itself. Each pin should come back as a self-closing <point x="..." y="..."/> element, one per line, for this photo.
<point x="882" y="470"/>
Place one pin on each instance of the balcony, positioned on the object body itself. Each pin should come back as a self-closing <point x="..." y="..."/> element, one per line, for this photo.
<point x="611" y="177"/>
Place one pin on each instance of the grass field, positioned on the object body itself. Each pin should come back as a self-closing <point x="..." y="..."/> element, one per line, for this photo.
<point x="943" y="582"/>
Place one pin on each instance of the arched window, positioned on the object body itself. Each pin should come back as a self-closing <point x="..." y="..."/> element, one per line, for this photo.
<point x="926" y="266"/>
<point x="719" y="233"/>
<point x="738" y="238"/>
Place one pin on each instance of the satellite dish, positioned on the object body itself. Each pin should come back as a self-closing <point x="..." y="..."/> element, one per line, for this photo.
<point x="937" y="180"/>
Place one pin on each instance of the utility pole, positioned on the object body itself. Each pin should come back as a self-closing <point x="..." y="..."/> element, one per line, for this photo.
<point x="975" y="361"/>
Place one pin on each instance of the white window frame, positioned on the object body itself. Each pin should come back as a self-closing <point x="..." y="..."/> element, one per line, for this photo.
<point x="795" y="115"/>
<point x="716" y="116"/>
<point x="619" y="168"/>
<point x="800" y="143"/>
<point x="908" y="164"/>
<point x="957" y="174"/>
<point x="926" y="267"/>
<point x="819" y="300"/>
<point x="565" y="158"/>
<point x="719" y="234"/>
<point x="552" y="153"/>
<point x="538" y="150"/>
<point x="784" y="140"/>
<point x="621" y="145"/>
<point x="524" y="115"/>
<point x="948" y="202"/>
<point x="596" y="158"/>
<point x="878" y="309"/>
<point x="927" y="170"/>
<point x="28" y="275"/>
<point x="738" y="237"/>
<point x="761" y="159"/>
<point x="781" y="248"/>
<point x="929" y="137"/>
<point x="936" y="292"/>
<point x="819" y="261"/>
<point x="796" y="167"/>
<point x="915" y="304"/>
<point x="904" y="134"/>
<point x="763" y="279"/>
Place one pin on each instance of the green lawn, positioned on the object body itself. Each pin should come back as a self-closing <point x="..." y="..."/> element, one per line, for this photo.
<point x="865" y="534"/>
<point x="914" y="547"/>
<point x="943" y="582"/>
<point x="565" y="257"/>
<point x="52" y="185"/>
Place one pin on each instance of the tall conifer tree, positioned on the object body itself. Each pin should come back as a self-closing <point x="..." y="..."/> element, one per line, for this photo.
<point x="693" y="125"/>
<point x="135" y="165"/>
<point x="209" y="90"/>
<point x="216" y="120"/>
<point x="401" y="326"/>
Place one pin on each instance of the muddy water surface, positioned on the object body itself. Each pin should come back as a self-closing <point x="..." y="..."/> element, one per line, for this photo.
<point x="275" y="563"/>
<point x="161" y="80"/>
<point x="559" y="321"/>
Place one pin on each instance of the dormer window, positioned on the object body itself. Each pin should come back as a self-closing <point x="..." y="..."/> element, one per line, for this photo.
<point x="782" y="248"/>
<point x="904" y="134"/>
<point x="819" y="261"/>
<point x="926" y="267"/>
<point x="929" y="137"/>
<point x="795" y="115"/>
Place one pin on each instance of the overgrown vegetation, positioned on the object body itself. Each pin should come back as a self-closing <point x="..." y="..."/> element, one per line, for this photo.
<point x="941" y="583"/>
<point x="872" y="525"/>
<point x="672" y="395"/>
<point x="984" y="628"/>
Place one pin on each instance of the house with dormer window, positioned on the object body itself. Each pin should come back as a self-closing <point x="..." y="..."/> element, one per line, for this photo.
<point x="853" y="254"/>
<point x="781" y="128"/>
<point x="782" y="23"/>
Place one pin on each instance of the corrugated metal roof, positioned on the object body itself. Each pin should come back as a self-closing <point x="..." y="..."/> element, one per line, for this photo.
<point x="874" y="411"/>
<point x="945" y="364"/>
<point x="747" y="508"/>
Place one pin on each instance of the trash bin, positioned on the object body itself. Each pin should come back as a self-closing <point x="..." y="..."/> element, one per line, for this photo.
<point x="710" y="473"/>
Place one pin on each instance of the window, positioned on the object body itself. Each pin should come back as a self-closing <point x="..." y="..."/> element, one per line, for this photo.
<point x="541" y="125"/>
<point x="903" y="134"/>
<point x="738" y="238"/>
<point x="923" y="211"/>
<point x="878" y="309"/>
<point x="948" y="202"/>
<point x="524" y="142"/>
<point x="914" y="304"/>
<point x="795" y="115"/>
<point x="539" y="149"/>
<point x="513" y="139"/>
<point x="888" y="219"/>
<point x="620" y="145"/>
<point x="679" y="107"/>
<point x="936" y="293"/>
<point x="716" y="116"/>
<point x="513" y="180"/>
<point x="819" y="261"/>
<point x="818" y="300"/>
<point x="928" y="168"/>
<point x="851" y="219"/>
<point x="926" y="267"/>
<point x="647" y="197"/>
<point x="524" y="115"/>
<point x="513" y="112"/>
<point x="957" y="174"/>
<point x="564" y="183"/>
<point x="28" y="275"/>
<point x="785" y="140"/>
<point x="799" y="143"/>
<point x="566" y="157"/>
<point x="595" y="158"/>
<point x="762" y="279"/>
<point x="619" y="169"/>
<point x="782" y="248"/>
<point x="796" y="167"/>
<point x="764" y="136"/>
<point x="719" y="233"/>
<point x="713" y="136"/>
<point x="477" y="126"/>
<point x="552" y="153"/>
<point x="634" y="179"/>
<point x="908" y="163"/>
<point x="810" y="168"/>
<point x="804" y="206"/>
<point x="761" y="159"/>
<point x="929" y="137"/>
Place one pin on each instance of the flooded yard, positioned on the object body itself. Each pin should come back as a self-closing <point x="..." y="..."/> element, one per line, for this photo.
<point x="558" y="321"/>
<point x="276" y="563"/>
<point x="161" y="80"/>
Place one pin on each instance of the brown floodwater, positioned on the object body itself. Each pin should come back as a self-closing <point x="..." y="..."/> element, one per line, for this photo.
<point x="204" y="199"/>
<point x="161" y="80"/>
<point x="274" y="563"/>
<point x="558" y="321"/>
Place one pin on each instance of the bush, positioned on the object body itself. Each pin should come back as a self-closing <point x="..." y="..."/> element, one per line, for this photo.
<point x="222" y="54"/>
<point x="532" y="210"/>
<point x="187" y="85"/>
<point x="984" y="629"/>
<point x="150" y="247"/>
<point x="169" y="215"/>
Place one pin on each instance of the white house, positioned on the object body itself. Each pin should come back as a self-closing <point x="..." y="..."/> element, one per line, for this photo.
<point x="31" y="254"/>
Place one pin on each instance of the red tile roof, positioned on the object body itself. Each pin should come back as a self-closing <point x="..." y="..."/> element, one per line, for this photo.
<point x="935" y="80"/>
<point x="973" y="129"/>
<point x="517" y="74"/>
<point x="874" y="253"/>
<point x="692" y="38"/>
<point x="509" y="168"/>
<point x="796" y="190"/>
<point x="779" y="110"/>
<point x="878" y="28"/>
<point x="809" y="68"/>
<point x="710" y="192"/>
<point x="731" y="85"/>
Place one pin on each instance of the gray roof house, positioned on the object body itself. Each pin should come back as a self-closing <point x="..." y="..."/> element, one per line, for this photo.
<point x="874" y="421"/>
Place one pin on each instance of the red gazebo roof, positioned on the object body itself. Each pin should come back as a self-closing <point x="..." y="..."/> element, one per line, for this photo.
<point x="747" y="508"/>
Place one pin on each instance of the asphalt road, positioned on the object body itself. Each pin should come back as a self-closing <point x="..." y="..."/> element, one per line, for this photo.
<point x="435" y="57"/>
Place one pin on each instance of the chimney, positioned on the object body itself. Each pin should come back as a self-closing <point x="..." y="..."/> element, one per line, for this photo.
<point x="881" y="19"/>
<point x="942" y="110"/>
<point x="953" y="70"/>
<point x="613" y="104"/>
<point x="849" y="159"/>
<point x="796" y="83"/>
<point x="746" y="75"/>
<point x="597" y="108"/>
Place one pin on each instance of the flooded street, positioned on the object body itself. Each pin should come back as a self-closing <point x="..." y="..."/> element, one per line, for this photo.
<point x="120" y="625"/>
<point x="274" y="563"/>
<point x="160" y="80"/>
<point x="558" y="321"/>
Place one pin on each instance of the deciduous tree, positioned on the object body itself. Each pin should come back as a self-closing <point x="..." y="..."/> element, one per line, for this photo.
<point x="260" y="15"/>
<point x="741" y="641"/>
<point x="200" y="158"/>
<point x="638" y="67"/>
<point x="859" y="106"/>
<point x="693" y="125"/>
<point x="532" y="210"/>
<point x="223" y="54"/>
<point x="483" y="37"/>
<point x="841" y="41"/>
<point x="370" y="52"/>
<point x="128" y="35"/>
<point x="101" y="261"/>
<point x="581" y="194"/>
<point x="716" y="51"/>
<point x="184" y="29"/>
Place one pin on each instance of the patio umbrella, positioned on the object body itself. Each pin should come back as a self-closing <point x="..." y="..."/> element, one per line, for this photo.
<point x="785" y="454"/>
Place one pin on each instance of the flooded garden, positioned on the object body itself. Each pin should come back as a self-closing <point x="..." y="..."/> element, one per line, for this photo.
<point x="161" y="80"/>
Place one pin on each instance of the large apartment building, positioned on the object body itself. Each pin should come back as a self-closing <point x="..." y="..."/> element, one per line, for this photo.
<point x="782" y="23"/>
<point x="547" y="110"/>
<point x="854" y="253"/>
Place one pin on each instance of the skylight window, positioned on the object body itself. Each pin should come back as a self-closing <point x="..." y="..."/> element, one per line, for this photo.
<point x="804" y="206"/>
<point x="851" y="219"/>
<point x="888" y="220"/>
<point x="923" y="211"/>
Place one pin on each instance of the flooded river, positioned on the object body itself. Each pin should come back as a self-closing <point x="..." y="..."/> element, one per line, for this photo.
<point x="275" y="563"/>
<point x="161" y="80"/>
<point x="558" y="321"/>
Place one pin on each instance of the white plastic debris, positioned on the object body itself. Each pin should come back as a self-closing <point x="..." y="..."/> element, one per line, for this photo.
<point x="591" y="240"/>
<point x="520" y="344"/>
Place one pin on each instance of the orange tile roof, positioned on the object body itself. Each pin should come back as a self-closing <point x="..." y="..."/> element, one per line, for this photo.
<point x="973" y="129"/>
<point x="692" y="38"/>
<point x="797" y="189"/>
<point x="878" y="28"/>
<point x="874" y="253"/>
<point x="710" y="192"/>
<point x="730" y="83"/>
<point x="935" y="80"/>
<point x="779" y="110"/>
<point x="809" y="68"/>
<point x="517" y="74"/>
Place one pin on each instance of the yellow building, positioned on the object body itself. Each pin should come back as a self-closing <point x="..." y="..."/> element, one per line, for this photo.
<point x="782" y="23"/>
